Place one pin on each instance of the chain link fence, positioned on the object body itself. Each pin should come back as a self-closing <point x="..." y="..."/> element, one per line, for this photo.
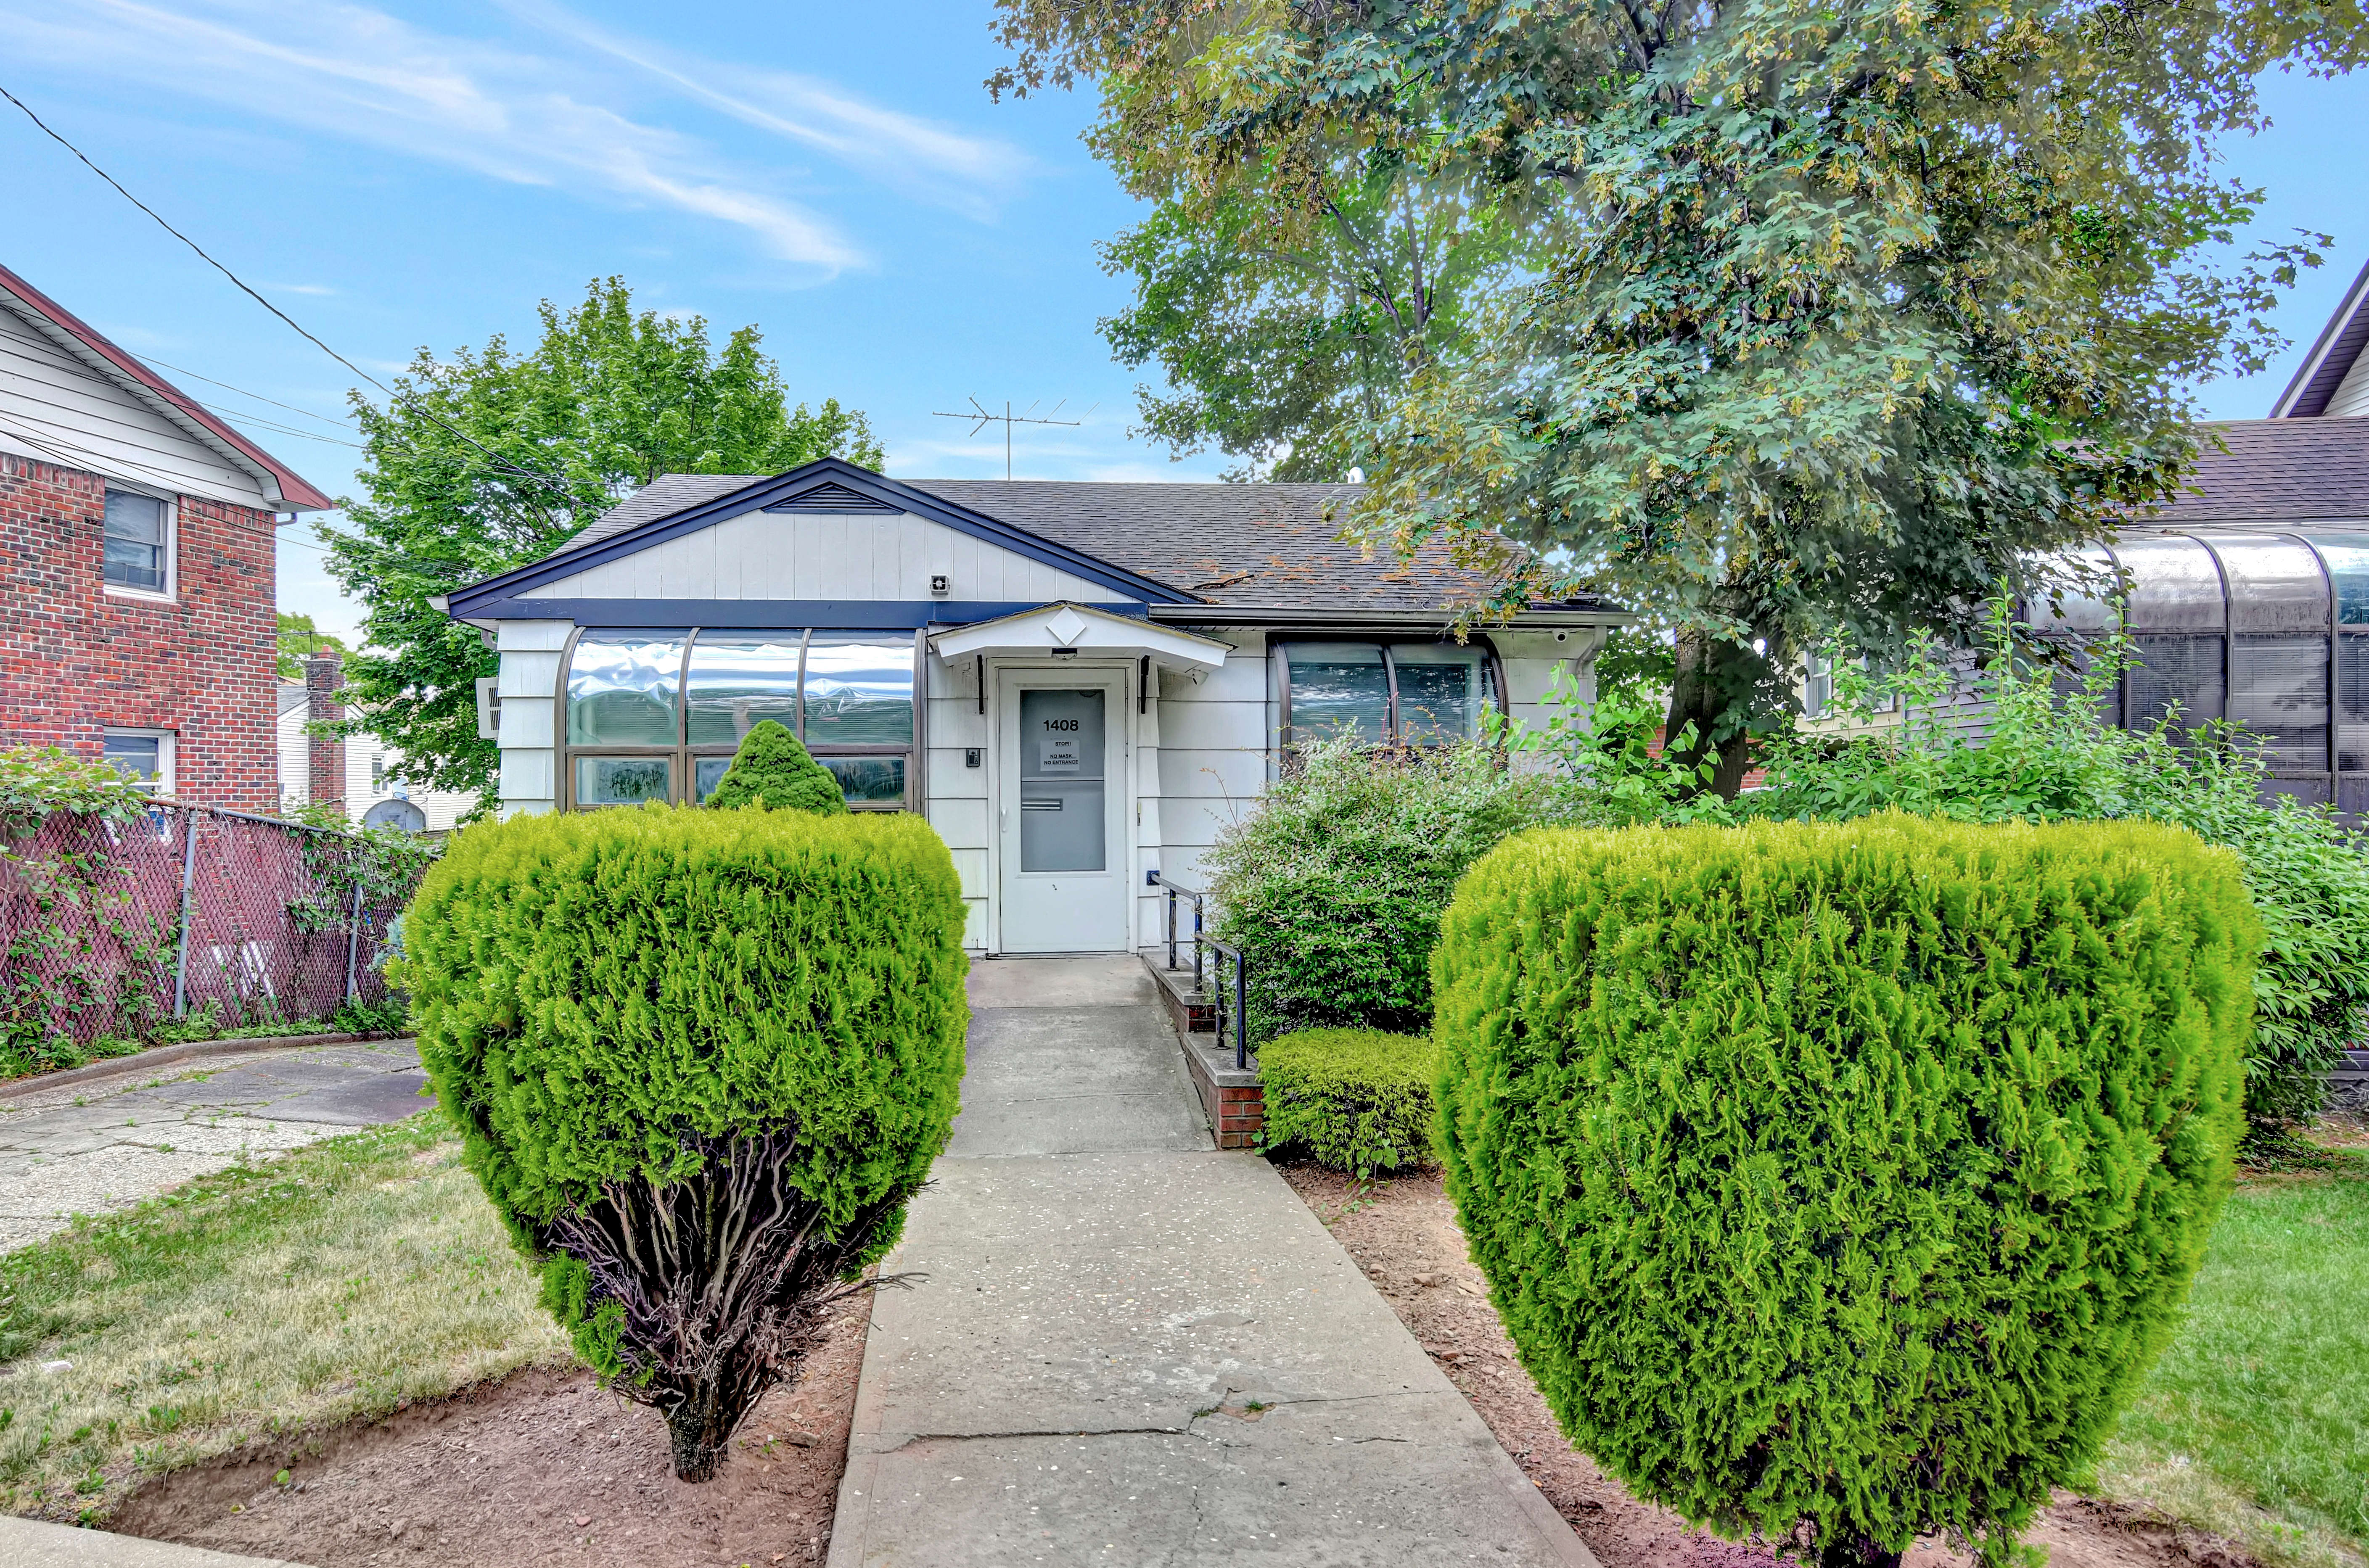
<point x="109" y="927"/>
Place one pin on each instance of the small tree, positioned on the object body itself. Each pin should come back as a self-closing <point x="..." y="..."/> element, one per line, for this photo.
<point x="701" y="1061"/>
<point x="773" y="772"/>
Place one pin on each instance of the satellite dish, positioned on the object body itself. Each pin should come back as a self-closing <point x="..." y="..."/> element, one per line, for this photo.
<point x="399" y="815"/>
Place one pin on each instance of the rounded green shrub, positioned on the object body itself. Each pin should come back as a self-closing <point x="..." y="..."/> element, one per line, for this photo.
<point x="1358" y="1099"/>
<point x="1839" y="1181"/>
<point x="700" y="1061"/>
<point x="772" y="772"/>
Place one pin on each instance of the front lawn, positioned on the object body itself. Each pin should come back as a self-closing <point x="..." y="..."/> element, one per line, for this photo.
<point x="2256" y="1422"/>
<point x="333" y="1281"/>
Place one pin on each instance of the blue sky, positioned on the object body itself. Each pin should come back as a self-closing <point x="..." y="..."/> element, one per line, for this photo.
<point x="421" y="174"/>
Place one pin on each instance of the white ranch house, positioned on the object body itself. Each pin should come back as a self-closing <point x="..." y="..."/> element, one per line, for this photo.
<point x="1078" y="684"/>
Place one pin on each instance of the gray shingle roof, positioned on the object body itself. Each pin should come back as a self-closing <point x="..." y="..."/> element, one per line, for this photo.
<point x="2275" y="471"/>
<point x="1267" y="545"/>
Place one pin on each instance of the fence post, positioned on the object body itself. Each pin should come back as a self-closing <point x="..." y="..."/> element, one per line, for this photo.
<point x="353" y="936"/>
<point x="189" y="878"/>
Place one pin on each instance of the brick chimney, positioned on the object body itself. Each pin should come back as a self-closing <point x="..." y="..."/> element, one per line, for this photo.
<point x="325" y="677"/>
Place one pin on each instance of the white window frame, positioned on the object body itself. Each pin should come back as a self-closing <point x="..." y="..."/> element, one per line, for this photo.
<point x="489" y="707"/>
<point x="161" y="785"/>
<point x="171" y="593"/>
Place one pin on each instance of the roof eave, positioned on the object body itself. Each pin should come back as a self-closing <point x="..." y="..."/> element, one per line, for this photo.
<point x="1544" y="617"/>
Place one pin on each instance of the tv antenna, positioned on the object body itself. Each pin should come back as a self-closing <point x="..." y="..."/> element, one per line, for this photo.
<point x="1007" y="419"/>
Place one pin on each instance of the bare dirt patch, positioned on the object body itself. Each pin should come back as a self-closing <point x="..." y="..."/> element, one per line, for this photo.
<point x="543" y="1468"/>
<point x="1404" y="1234"/>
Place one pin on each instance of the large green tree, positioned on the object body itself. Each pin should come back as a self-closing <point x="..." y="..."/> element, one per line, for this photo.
<point x="493" y="458"/>
<point x="1289" y="310"/>
<point x="1834" y="314"/>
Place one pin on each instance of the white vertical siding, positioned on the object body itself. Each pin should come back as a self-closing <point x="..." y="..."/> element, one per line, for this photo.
<point x="2351" y="395"/>
<point x="530" y="654"/>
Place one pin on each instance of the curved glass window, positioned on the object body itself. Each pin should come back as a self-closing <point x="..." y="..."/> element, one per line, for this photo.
<point x="2348" y="562"/>
<point x="859" y="693"/>
<point x="737" y="681"/>
<point x="2352" y="704"/>
<point x="1442" y="690"/>
<point x="623" y="781"/>
<point x="1395" y="693"/>
<point x="622" y="691"/>
<point x="2275" y="585"/>
<point x="2175" y="586"/>
<point x="2176" y="669"/>
<point x="2278" y="689"/>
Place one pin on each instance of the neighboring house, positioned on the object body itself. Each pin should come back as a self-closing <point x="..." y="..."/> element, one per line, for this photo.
<point x="137" y="540"/>
<point x="1079" y="685"/>
<point x="354" y="773"/>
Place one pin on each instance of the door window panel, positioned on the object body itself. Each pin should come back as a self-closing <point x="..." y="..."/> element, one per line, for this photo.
<point x="621" y="691"/>
<point x="1442" y="693"/>
<point x="1338" y="689"/>
<point x="859" y="693"/>
<point x="622" y="781"/>
<point x="1062" y="767"/>
<point x="737" y="683"/>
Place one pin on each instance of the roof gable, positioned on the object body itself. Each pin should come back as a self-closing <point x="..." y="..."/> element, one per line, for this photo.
<point x="280" y="487"/>
<point x="2333" y="357"/>
<point x="829" y="487"/>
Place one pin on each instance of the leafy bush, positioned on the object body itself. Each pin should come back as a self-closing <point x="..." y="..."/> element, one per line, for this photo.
<point x="1842" y="1181"/>
<point x="701" y="1059"/>
<point x="1333" y="888"/>
<point x="1358" y="1099"/>
<point x="772" y="772"/>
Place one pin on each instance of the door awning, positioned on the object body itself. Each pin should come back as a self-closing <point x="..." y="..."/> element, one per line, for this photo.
<point x="1080" y="631"/>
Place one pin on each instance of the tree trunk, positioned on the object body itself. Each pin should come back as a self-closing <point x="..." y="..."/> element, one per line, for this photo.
<point x="1855" y="1551"/>
<point x="700" y="1429"/>
<point x="1713" y="690"/>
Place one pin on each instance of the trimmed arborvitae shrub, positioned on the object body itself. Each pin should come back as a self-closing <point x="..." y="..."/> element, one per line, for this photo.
<point x="1838" y="1182"/>
<point x="1358" y="1099"/>
<point x="772" y="772"/>
<point x="700" y="1061"/>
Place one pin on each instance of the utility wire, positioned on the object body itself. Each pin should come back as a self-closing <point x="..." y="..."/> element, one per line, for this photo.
<point x="182" y="370"/>
<point x="554" y="484"/>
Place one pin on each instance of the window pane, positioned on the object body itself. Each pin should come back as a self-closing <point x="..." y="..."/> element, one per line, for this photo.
<point x="706" y="773"/>
<point x="621" y="691"/>
<point x="2275" y="585"/>
<point x="2348" y="562"/>
<point x="1338" y="688"/>
<point x="2186" y="670"/>
<point x="737" y="684"/>
<point x="138" y="757"/>
<point x="2278" y="689"/>
<point x="859" y="693"/>
<point x="1062" y="765"/>
<point x="135" y="542"/>
<point x="1441" y="692"/>
<point x="2353" y="702"/>
<point x="2175" y="586"/>
<point x="622" y="781"/>
<point x="869" y="781"/>
<point x="2073" y="609"/>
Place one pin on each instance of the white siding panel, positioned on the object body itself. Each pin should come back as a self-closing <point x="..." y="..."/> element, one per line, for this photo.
<point x="1222" y="724"/>
<point x="528" y="776"/>
<point x="961" y="822"/>
<point x="57" y="410"/>
<point x="528" y="675"/>
<point x="2351" y="395"/>
<point x="528" y="722"/>
<point x="972" y="867"/>
<point x="531" y="636"/>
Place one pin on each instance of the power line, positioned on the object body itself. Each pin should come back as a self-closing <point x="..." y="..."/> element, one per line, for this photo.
<point x="182" y="369"/>
<point x="555" y="485"/>
<point x="82" y="457"/>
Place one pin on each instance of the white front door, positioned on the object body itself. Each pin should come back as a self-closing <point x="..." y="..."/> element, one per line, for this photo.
<point x="1063" y="739"/>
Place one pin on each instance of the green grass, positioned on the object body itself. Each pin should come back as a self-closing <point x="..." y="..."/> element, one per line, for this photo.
<point x="2255" y="1423"/>
<point x="260" y="1302"/>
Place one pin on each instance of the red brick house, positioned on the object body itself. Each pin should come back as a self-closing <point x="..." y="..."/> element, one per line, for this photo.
<point x="137" y="589"/>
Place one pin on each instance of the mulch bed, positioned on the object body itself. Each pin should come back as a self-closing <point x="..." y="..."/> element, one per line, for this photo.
<point x="1404" y="1234"/>
<point x="543" y="1467"/>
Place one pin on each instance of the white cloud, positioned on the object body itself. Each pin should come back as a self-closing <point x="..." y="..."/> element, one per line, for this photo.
<point x="964" y="172"/>
<point x="322" y="289"/>
<point x="353" y="72"/>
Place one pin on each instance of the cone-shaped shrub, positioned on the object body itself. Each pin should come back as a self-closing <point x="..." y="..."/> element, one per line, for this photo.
<point x="1841" y="1181"/>
<point x="700" y="1061"/>
<point x="1357" y="1100"/>
<point x="773" y="772"/>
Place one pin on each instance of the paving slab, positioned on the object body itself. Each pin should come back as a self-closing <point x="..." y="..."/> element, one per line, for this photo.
<point x="1150" y="1354"/>
<point x="27" y="1543"/>
<point x="89" y="1147"/>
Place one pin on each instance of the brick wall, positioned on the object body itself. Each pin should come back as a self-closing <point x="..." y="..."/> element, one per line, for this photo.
<point x="75" y="659"/>
<point x="325" y="758"/>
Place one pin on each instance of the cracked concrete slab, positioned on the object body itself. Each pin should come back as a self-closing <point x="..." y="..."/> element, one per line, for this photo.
<point x="108" y="1145"/>
<point x="1147" y="1355"/>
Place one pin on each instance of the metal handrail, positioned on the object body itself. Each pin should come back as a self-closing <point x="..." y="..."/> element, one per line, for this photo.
<point x="1241" y="1000"/>
<point x="1175" y="890"/>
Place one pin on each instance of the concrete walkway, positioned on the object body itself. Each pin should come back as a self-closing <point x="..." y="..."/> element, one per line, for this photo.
<point x="1132" y="1349"/>
<point x="89" y="1147"/>
<point x="27" y="1543"/>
